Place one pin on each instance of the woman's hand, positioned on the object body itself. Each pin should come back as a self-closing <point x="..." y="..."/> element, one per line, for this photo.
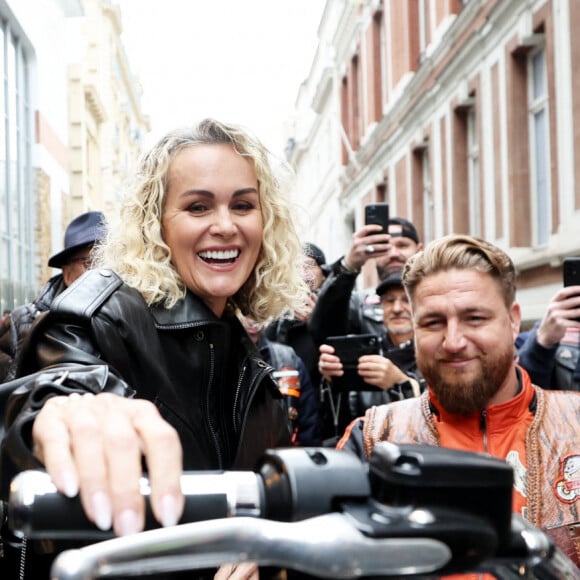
<point x="94" y="445"/>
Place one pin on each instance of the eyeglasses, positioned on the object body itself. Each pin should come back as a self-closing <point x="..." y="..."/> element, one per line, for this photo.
<point x="86" y="261"/>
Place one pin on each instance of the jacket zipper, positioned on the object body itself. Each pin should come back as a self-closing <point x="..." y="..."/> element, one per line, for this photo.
<point x="237" y="394"/>
<point x="22" y="566"/>
<point x="210" y="420"/>
<point x="483" y="427"/>
<point x="253" y="388"/>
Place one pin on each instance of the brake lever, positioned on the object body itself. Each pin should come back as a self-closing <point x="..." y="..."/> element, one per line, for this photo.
<point x="328" y="546"/>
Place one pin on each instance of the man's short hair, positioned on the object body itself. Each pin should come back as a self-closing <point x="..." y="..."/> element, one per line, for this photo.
<point x="461" y="252"/>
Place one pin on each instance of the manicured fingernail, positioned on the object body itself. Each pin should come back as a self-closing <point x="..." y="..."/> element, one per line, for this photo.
<point x="168" y="511"/>
<point x="102" y="511"/>
<point x="128" y="523"/>
<point x="70" y="486"/>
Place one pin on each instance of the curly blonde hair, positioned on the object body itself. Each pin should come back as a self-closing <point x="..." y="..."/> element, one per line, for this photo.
<point x="136" y="250"/>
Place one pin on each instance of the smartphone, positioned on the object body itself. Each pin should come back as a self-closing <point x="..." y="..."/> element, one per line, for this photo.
<point x="378" y="213"/>
<point x="571" y="271"/>
<point x="349" y="348"/>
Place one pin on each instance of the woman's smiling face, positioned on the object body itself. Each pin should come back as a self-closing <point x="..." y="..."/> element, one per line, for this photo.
<point x="212" y="221"/>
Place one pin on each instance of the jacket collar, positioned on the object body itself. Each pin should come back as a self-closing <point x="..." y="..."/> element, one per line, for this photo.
<point x="188" y="311"/>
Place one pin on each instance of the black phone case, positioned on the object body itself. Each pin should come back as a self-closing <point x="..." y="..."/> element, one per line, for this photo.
<point x="571" y="271"/>
<point x="377" y="213"/>
<point x="349" y="348"/>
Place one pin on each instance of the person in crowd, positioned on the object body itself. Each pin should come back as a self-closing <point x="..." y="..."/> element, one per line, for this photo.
<point x="462" y="293"/>
<point x="551" y="350"/>
<point x="294" y="331"/>
<point x="315" y="268"/>
<point x="394" y="371"/>
<point x="294" y="383"/>
<point x="74" y="260"/>
<point x="340" y="309"/>
<point x="144" y="359"/>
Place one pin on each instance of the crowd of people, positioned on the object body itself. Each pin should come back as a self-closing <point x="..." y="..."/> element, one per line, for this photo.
<point x="190" y="332"/>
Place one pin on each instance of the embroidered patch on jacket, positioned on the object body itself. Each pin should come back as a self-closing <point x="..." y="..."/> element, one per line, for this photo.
<point x="567" y="488"/>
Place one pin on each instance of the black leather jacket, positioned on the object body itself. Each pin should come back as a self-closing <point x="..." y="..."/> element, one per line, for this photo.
<point x="203" y="374"/>
<point x="21" y="320"/>
<point x="555" y="368"/>
<point x="340" y="309"/>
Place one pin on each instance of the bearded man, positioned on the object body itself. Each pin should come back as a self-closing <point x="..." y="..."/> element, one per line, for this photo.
<point x="462" y="293"/>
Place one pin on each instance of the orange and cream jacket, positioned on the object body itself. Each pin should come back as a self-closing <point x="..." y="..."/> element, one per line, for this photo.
<point x="537" y="432"/>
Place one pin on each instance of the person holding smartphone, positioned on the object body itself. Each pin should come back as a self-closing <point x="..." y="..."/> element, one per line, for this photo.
<point x="394" y="372"/>
<point x="551" y="351"/>
<point x="340" y="309"/>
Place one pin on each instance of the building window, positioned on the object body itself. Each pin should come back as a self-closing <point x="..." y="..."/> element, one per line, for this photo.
<point x="473" y="174"/>
<point x="378" y="66"/>
<point x="428" y="205"/>
<point x="16" y="229"/>
<point x="539" y="147"/>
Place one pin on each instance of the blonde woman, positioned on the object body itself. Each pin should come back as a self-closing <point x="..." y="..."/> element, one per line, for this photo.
<point x="171" y="377"/>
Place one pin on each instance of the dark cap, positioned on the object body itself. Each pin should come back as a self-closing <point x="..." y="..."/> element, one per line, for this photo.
<point x="315" y="252"/>
<point x="85" y="229"/>
<point x="395" y="278"/>
<point x="408" y="230"/>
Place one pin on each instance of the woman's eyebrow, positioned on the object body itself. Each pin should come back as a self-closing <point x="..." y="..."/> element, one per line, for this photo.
<point x="207" y="193"/>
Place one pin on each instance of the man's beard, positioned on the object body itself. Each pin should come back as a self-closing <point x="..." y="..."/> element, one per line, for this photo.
<point x="462" y="396"/>
<point x="385" y="270"/>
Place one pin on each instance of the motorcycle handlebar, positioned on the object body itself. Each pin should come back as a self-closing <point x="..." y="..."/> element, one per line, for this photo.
<point x="289" y="485"/>
<point x="410" y="510"/>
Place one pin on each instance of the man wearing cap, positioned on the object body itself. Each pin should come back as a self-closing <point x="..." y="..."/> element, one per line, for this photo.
<point x="74" y="260"/>
<point x="394" y="371"/>
<point x="339" y="310"/>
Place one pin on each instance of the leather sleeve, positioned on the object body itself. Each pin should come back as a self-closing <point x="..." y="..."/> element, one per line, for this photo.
<point x="537" y="360"/>
<point x="58" y="358"/>
<point x="331" y="314"/>
<point x="22" y="399"/>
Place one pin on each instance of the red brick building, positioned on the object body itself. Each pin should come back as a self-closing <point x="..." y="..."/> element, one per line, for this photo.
<point x="463" y="115"/>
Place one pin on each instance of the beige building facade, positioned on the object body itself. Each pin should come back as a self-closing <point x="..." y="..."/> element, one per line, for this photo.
<point x="74" y="129"/>
<point x="463" y="115"/>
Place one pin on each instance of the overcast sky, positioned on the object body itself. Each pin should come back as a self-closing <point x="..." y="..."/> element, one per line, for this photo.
<point x="239" y="61"/>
